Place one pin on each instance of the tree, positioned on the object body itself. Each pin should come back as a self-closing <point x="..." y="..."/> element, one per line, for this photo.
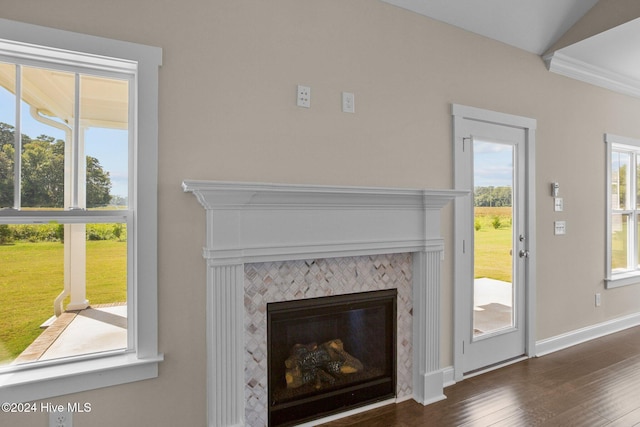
<point x="43" y="172"/>
<point x="6" y="175"/>
<point x="7" y="150"/>
<point x="492" y="196"/>
<point x="42" y="175"/>
<point x="98" y="184"/>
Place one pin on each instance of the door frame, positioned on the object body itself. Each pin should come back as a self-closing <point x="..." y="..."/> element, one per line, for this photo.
<point x="463" y="228"/>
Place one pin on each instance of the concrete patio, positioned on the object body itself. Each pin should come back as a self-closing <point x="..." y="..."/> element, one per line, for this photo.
<point x="95" y="329"/>
<point x="493" y="305"/>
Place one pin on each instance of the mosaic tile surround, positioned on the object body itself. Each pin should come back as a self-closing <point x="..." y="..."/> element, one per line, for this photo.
<point x="292" y="280"/>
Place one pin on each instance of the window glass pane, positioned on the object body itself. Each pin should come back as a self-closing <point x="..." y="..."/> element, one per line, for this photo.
<point x="85" y="267"/>
<point x="104" y="116"/>
<point x="637" y="173"/>
<point x="46" y="122"/>
<point x="619" y="241"/>
<point x="7" y="133"/>
<point x="620" y="170"/>
<point x="637" y="260"/>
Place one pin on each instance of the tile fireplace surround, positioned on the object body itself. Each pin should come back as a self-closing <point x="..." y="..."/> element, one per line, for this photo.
<point x="251" y="223"/>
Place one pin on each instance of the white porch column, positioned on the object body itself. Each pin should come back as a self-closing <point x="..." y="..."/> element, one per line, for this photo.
<point x="75" y="238"/>
<point x="75" y="254"/>
<point x="75" y="265"/>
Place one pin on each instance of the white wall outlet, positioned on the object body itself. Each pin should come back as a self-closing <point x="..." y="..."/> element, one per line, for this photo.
<point x="304" y="96"/>
<point x="60" y="419"/>
<point x="598" y="300"/>
<point x="348" y="102"/>
<point x="560" y="228"/>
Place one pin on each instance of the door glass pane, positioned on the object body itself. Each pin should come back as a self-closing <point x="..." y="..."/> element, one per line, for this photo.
<point x="637" y="224"/>
<point x="493" y="238"/>
<point x="637" y="178"/>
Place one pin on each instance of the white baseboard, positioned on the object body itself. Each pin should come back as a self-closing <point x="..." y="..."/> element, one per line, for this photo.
<point x="447" y="376"/>
<point x="588" y="333"/>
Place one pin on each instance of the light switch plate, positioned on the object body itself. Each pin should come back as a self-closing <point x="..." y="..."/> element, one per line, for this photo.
<point x="348" y="102"/>
<point x="558" y="204"/>
<point x="560" y="228"/>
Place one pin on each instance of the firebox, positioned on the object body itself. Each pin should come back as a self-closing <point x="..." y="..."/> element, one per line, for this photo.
<point x="330" y="354"/>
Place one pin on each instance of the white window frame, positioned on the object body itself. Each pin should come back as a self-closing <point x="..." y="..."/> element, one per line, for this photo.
<point x="630" y="276"/>
<point x="23" y="383"/>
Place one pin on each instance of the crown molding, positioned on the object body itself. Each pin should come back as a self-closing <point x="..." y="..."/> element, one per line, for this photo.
<point x="565" y="65"/>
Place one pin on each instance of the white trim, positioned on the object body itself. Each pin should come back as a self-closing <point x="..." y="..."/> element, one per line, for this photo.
<point x="39" y="381"/>
<point x="66" y="41"/>
<point x="448" y="376"/>
<point x="346" y="220"/>
<point x="488" y="116"/>
<point x="565" y="65"/>
<point x="622" y="279"/>
<point x="625" y="278"/>
<point x="463" y="232"/>
<point x="42" y="383"/>
<point x="579" y="336"/>
<point x="30" y="54"/>
<point x="622" y="140"/>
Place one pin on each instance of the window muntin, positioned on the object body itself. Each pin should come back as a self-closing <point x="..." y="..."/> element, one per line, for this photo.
<point x="623" y="207"/>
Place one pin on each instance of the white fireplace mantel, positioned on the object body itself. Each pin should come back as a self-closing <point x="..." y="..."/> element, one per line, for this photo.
<point x="255" y="222"/>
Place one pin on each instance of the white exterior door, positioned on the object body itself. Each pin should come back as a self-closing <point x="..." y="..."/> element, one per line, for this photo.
<point x="494" y="238"/>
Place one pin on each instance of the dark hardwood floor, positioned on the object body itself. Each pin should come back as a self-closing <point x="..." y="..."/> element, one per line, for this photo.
<point x="592" y="384"/>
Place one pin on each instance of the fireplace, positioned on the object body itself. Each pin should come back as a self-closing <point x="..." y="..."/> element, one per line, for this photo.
<point x="330" y="354"/>
<point x="251" y="224"/>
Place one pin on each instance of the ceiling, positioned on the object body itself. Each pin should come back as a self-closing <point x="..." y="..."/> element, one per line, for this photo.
<point x="609" y="58"/>
<point x="104" y="102"/>
<point x="532" y="25"/>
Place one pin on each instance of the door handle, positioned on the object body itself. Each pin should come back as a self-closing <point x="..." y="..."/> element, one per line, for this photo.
<point x="523" y="253"/>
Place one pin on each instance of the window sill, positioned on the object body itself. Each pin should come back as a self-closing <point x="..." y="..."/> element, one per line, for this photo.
<point x="623" y="279"/>
<point x="48" y="381"/>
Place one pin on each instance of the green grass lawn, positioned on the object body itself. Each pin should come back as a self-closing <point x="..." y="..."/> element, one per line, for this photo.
<point x="31" y="276"/>
<point x="492" y="257"/>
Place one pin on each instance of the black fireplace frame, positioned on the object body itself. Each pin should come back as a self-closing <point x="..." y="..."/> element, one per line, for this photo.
<point x="342" y="399"/>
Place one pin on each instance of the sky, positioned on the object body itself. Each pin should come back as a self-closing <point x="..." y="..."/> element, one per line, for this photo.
<point x="109" y="146"/>
<point x="493" y="164"/>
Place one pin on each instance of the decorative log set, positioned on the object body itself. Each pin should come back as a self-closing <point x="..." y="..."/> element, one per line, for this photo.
<point x="310" y="363"/>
